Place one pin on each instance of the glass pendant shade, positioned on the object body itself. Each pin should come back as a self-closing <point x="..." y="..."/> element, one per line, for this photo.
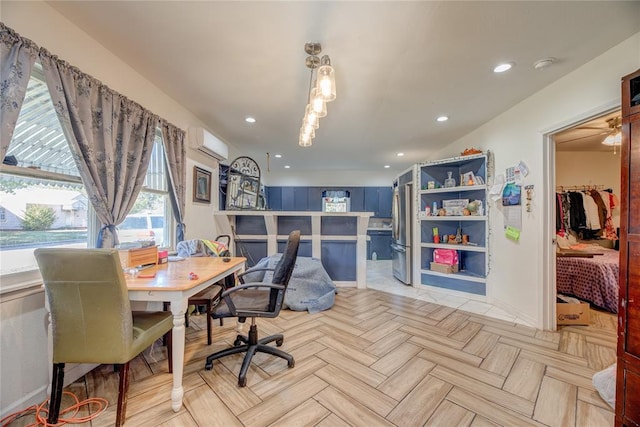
<point x="326" y="84"/>
<point x="311" y="117"/>
<point x="305" y="140"/>
<point x="318" y="103"/>
<point x="308" y="130"/>
<point x="615" y="139"/>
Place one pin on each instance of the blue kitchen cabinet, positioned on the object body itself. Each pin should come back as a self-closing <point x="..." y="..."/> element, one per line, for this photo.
<point x="300" y="199"/>
<point x="288" y="199"/>
<point x="315" y="199"/>
<point x="274" y="198"/>
<point x="385" y="199"/>
<point x="378" y="200"/>
<point x="379" y="242"/>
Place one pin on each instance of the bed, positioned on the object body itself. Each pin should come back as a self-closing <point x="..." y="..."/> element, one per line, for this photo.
<point x="590" y="276"/>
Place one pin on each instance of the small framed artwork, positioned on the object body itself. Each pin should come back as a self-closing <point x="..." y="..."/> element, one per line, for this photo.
<point x="201" y="185"/>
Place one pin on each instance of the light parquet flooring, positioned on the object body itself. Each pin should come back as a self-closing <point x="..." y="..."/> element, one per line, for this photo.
<point x="377" y="359"/>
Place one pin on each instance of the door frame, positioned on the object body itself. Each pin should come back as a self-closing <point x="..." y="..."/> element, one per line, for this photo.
<point x="547" y="306"/>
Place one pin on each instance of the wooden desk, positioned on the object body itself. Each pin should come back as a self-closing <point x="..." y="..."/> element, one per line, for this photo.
<point x="172" y="284"/>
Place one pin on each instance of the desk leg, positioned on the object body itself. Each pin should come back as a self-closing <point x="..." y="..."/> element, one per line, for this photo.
<point x="178" y="309"/>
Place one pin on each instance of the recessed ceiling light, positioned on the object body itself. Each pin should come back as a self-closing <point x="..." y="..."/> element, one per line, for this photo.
<point x="501" y="68"/>
<point x="278" y="156"/>
<point x="400" y="154"/>
<point x="442" y="118"/>
<point x="387" y="166"/>
<point x="249" y="119"/>
<point x="287" y="167"/>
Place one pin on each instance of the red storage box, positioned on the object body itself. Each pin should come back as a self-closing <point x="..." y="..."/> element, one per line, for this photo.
<point x="445" y="256"/>
<point x="163" y="256"/>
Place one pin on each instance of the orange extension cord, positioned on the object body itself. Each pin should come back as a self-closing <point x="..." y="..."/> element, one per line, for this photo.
<point x="41" y="413"/>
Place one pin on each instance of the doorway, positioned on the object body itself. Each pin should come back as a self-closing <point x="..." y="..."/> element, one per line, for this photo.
<point x="579" y="163"/>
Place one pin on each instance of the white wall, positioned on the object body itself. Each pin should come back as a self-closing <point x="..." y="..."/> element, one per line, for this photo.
<point x="517" y="269"/>
<point x="590" y="168"/>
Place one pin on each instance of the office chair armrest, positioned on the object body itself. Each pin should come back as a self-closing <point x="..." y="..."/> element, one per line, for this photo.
<point x="253" y="270"/>
<point x="250" y="286"/>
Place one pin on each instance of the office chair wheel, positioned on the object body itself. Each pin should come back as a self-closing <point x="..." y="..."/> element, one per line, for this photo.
<point x="237" y="342"/>
<point x="242" y="382"/>
<point x="292" y="363"/>
<point x="208" y="366"/>
<point x="279" y="342"/>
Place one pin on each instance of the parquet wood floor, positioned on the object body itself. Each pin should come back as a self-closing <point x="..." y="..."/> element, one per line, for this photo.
<point x="377" y="359"/>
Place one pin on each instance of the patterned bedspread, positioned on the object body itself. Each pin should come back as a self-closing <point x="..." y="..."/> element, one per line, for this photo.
<point x="592" y="279"/>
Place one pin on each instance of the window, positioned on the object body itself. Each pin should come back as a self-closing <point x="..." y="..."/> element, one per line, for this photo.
<point x="42" y="199"/>
<point x="150" y="219"/>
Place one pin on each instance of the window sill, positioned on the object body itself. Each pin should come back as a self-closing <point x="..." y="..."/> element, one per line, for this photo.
<point x="20" y="281"/>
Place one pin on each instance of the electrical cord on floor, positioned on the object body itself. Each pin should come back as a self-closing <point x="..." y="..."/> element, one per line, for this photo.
<point x="41" y="413"/>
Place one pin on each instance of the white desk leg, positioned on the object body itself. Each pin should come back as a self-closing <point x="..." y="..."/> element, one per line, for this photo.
<point x="178" y="309"/>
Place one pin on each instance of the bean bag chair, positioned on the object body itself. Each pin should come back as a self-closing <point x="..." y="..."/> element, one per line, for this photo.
<point x="310" y="287"/>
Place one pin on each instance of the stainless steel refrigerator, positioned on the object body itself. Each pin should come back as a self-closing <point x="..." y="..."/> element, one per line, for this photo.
<point x="401" y="229"/>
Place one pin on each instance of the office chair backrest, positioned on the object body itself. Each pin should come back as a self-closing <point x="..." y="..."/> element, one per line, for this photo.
<point x="90" y="312"/>
<point x="284" y="269"/>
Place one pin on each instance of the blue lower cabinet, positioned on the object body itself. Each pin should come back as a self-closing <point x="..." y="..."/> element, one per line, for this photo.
<point x="286" y="224"/>
<point x="253" y="250"/>
<point x="339" y="260"/>
<point x="304" y="248"/>
<point x="380" y="243"/>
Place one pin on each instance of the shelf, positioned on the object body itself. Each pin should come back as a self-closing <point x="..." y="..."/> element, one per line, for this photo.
<point x="460" y="247"/>
<point x="474" y="259"/>
<point x="453" y="218"/>
<point x="457" y="189"/>
<point x="461" y="275"/>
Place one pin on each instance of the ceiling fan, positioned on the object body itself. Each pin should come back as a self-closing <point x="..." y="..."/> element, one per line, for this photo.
<point x="612" y="134"/>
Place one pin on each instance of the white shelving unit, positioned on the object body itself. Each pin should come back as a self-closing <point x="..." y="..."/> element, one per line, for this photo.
<point x="473" y="257"/>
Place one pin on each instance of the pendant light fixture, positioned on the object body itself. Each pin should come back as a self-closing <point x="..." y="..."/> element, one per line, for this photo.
<point x="321" y="91"/>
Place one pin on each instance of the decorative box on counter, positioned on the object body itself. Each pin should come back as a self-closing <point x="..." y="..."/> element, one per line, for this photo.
<point x="138" y="256"/>
<point x="163" y="256"/>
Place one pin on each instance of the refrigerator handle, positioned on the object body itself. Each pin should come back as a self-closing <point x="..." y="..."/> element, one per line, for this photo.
<point x="398" y="248"/>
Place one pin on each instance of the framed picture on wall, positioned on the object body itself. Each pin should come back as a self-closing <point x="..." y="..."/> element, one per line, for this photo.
<point x="201" y="185"/>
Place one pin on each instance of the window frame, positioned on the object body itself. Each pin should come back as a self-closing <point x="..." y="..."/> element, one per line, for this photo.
<point x="15" y="281"/>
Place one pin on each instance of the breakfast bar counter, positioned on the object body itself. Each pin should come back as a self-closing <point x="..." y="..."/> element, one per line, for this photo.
<point x="338" y="240"/>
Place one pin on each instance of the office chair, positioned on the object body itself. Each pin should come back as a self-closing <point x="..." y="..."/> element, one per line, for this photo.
<point x="91" y="318"/>
<point x="257" y="300"/>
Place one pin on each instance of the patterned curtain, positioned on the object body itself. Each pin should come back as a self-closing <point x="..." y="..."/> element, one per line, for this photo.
<point x="17" y="56"/>
<point x="111" y="140"/>
<point x="176" y="155"/>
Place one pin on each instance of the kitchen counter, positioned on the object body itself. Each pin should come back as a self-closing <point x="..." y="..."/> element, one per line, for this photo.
<point x="338" y="239"/>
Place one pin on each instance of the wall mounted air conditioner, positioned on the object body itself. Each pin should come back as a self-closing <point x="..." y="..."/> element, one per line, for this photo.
<point x="208" y="144"/>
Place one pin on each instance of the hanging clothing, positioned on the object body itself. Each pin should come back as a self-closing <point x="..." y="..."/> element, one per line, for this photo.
<point x="577" y="216"/>
<point x="611" y="201"/>
<point x="602" y="208"/>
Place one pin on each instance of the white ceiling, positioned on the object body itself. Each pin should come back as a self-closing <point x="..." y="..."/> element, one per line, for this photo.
<point x="398" y="66"/>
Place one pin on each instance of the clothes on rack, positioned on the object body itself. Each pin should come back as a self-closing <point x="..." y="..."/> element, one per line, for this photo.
<point x="587" y="213"/>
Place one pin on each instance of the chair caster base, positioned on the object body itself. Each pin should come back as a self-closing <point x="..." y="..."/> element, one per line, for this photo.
<point x="208" y="366"/>
<point x="291" y="363"/>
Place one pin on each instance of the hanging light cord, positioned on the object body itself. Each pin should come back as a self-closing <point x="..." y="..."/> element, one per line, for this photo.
<point x="310" y="83"/>
<point x="41" y="413"/>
